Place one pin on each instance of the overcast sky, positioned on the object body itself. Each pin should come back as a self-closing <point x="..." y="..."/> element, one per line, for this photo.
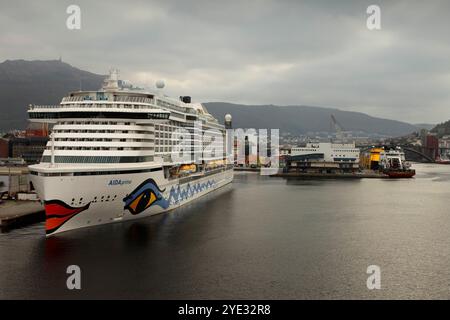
<point x="316" y="53"/>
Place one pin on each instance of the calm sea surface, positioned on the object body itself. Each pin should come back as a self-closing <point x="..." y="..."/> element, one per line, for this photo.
<point x="259" y="238"/>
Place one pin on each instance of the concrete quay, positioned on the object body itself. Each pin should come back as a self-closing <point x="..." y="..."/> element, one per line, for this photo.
<point x="14" y="214"/>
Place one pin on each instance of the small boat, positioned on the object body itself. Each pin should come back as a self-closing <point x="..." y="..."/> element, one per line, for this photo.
<point x="443" y="160"/>
<point x="394" y="165"/>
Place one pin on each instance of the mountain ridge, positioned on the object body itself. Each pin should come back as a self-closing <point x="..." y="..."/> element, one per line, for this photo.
<point x="24" y="82"/>
<point x="303" y="119"/>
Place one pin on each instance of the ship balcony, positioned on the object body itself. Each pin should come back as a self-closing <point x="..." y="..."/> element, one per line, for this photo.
<point x="53" y="114"/>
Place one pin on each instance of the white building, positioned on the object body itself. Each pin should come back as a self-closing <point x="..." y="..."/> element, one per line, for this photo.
<point x="328" y="152"/>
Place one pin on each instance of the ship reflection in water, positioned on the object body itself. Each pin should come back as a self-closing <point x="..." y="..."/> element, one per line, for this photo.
<point x="260" y="238"/>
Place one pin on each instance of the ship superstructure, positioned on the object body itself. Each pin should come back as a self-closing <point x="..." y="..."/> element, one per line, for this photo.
<point x="120" y="153"/>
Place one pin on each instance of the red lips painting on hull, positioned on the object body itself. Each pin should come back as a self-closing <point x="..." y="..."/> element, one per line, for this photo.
<point x="58" y="212"/>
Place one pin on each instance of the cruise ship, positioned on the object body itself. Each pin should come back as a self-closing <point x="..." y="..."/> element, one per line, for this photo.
<point x="114" y="155"/>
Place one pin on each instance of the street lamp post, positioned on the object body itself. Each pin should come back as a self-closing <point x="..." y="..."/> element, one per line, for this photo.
<point x="9" y="181"/>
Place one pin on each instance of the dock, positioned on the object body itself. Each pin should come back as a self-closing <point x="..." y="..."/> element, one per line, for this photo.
<point x="249" y="169"/>
<point x="361" y="174"/>
<point x="316" y="175"/>
<point x="14" y="214"/>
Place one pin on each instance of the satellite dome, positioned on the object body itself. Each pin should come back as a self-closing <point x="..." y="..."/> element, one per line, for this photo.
<point x="228" y="117"/>
<point x="160" y="84"/>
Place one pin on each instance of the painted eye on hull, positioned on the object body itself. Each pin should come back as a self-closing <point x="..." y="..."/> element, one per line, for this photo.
<point x="143" y="196"/>
<point x="142" y="202"/>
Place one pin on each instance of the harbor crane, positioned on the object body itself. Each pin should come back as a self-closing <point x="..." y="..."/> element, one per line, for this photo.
<point x="340" y="135"/>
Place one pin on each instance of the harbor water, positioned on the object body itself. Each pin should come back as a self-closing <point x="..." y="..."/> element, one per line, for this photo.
<point x="258" y="238"/>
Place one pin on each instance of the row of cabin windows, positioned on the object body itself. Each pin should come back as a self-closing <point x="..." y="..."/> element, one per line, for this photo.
<point x="173" y="142"/>
<point x="92" y="173"/>
<point x="343" y="150"/>
<point x="104" y="139"/>
<point x="343" y="155"/>
<point x="173" y="125"/>
<point x="98" y="114"/>
<point x="347" y="150"/>
<point x="96" y="123"/>
<point x="101" y="97"/>
<point x="102" y="148"/>
<point x="165" y="142"/>
<point x="132" y="99"/>
<point x="98" y="159"/>
<point x="170" y="149"/>
<point x="94" y="131"/>
<point x="107" y="105"/>
<point x="172" y="106"/>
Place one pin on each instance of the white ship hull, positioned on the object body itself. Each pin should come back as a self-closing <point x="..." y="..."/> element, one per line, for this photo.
<point x="73" y="202"/>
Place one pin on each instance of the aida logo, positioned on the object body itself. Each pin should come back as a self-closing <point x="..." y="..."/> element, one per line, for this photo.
<point x="118" y="182"/>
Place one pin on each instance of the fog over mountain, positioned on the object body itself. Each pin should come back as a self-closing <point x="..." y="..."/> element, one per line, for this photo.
<point x="46" y="82"/>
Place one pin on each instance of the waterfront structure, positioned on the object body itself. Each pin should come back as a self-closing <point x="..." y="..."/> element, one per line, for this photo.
<point x="13" y="180"/>
<point x="4" y="148"/>
<point x="285" y="152"/>
<point x="328" y="152"/>
<point x="111" y="155"/>
<point x="28" y="148"/>
<point x="444" y="150"/>
<point x="26" y="144"/>
<point x="323" y="157"/>
<point x="431" y="145"/>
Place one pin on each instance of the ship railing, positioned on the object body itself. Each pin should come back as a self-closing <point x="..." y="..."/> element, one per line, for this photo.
<point x="173" y="106"/>
<point x="124" y="105"/>
<point x="106" y="106"/>
<point x="32" y="107"/>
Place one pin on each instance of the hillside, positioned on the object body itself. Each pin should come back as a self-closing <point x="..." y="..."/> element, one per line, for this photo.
<point x="46" y="82"/>
<point x="442" y="129"/>
<point x="37" y="82"/>
<point x="303" y="119"/>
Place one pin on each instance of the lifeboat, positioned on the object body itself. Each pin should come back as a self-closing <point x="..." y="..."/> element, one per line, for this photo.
<point x="188" y="168"/>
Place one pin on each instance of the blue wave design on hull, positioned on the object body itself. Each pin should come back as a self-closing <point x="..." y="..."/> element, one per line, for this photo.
<point x="148" y="194"/>
<point x="177" y="194"/>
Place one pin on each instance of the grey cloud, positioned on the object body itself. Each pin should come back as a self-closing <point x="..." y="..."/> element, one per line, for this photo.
<point x="280" y="52"/>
